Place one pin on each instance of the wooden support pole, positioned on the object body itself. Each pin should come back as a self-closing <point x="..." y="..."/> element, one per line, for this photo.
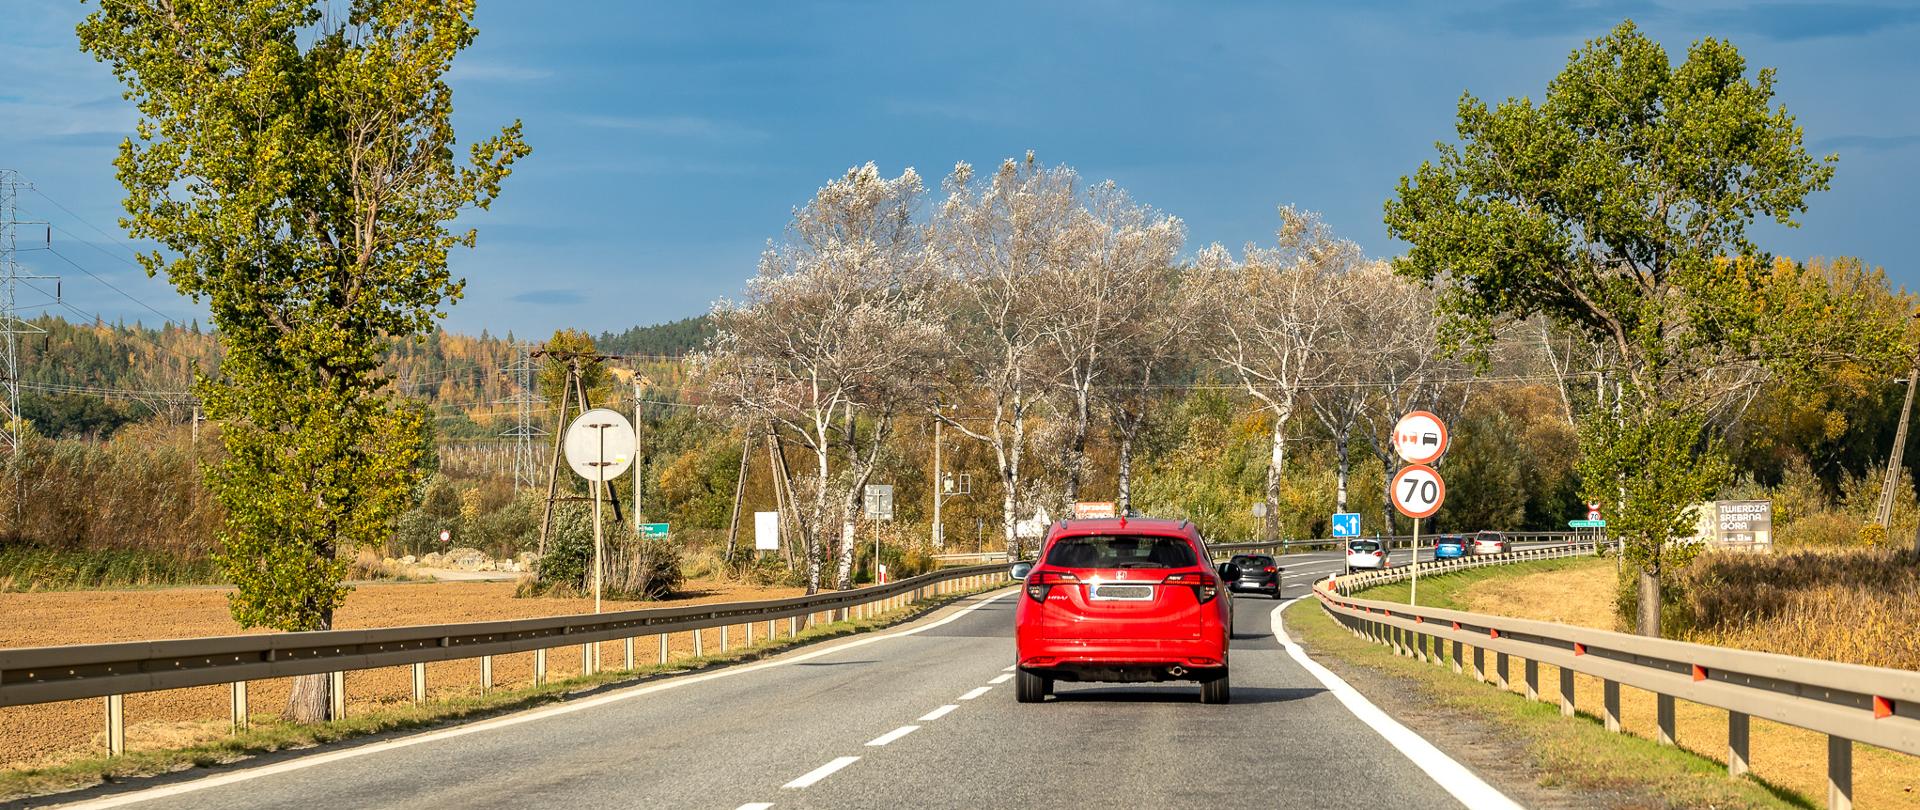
<point x="1566" y="692"/>
<point x="1500" y="672"/>
<point x="1533" y="679"/>
<point x="419" y="684"/>
<point x="540" y="667"/>
<point x="486" y="674"/>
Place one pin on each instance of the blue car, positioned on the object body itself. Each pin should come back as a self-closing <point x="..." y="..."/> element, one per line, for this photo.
<point x="1449" y="547"/>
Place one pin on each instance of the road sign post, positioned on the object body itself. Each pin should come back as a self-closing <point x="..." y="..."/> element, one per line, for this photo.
<point x="1418" y="492"/>
<point x="1421" y="439"/>
<point x="599" y="446"/>
<point x="878" y="503"/>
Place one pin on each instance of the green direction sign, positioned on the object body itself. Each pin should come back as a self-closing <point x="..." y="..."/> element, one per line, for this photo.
<point x="1587" y="524"/>
<point x="653" y="531"/>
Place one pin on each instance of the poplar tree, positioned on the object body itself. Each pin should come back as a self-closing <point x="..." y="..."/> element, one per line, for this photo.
<point x="295" y="161"/>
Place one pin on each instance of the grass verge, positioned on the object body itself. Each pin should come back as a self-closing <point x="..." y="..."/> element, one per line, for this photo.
<point x="279" y="735"/>
<point x="44" y="569"/>
<point x="1576" y="755"/>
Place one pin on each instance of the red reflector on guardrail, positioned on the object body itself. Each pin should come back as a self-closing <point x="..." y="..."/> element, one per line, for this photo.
<point x="1581" y="649"/>
<point x="1882" y="707"/>
<point x="1699" y="672"/>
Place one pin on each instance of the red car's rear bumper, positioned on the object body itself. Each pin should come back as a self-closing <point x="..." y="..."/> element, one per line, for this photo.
<point x="1045" y="653"/>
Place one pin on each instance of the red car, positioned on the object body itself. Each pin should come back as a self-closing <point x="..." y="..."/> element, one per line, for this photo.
<point x="1124" y="599"/>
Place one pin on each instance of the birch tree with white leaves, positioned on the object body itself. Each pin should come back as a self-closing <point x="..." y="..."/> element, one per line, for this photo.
<point x="1099" y="306"/>
<point x="1274" y="325"/>
<point x="997" y="238"/>
<point x="1386" y="339"/>
<point x="830" y="343"/>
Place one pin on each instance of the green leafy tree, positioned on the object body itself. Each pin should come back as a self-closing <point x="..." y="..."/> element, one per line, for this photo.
<point x="296" y="163"/>
<point x="566" y="346"/>
<point x="1619" y="207"/>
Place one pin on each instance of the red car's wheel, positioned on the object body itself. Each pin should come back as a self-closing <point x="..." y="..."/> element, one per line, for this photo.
<point x="1216" y="691"/>
<point x="1031" y="688"/>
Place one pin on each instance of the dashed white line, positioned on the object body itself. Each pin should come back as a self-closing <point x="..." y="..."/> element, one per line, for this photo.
<point x="938" y="713"/>
<point x="755" y="806"/>
<point x="893" y="735"/>
<point x="821" y="772"/>
<point x="1002" y="678"/>
<point x="1011" y="667"/>
<point x="978" y="691"/>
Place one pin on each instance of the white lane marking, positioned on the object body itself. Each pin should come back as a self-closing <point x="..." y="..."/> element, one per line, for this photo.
<point x="821" y="772"/>
<point x="754" y="806"/>
<point x="504" y="722"/>
<point x="1468" y="789"/>
<point x="1002" y="678"/>
<point x="1011" y="667"/>
<point x="892" y="735"/>
<point x="977" y="691"/>
<point x="938" y="713"/>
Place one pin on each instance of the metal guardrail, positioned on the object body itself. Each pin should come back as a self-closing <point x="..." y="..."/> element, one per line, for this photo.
<point x="1847" y="702"/>
<point x="44" y="674"/>
<point x="1288" y="546"/>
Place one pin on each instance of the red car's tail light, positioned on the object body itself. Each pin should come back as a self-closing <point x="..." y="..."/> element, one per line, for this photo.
<point x="1040" y="582"/>
<point x="1204" y="587"/>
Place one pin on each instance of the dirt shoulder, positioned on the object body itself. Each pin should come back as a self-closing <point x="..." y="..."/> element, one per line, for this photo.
<point x="50" y="733"/>
<point x="1525" y="748"/>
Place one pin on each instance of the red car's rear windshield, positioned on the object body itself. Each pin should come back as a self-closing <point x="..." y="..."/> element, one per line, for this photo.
<point x="1121" y="551"/>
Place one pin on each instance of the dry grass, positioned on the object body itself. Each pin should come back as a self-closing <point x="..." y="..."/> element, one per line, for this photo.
<point x="1792" y="589"/>
<point x="1859" y="605"/>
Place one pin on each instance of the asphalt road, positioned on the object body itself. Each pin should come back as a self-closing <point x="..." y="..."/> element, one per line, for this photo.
<point x="924" y="717"/>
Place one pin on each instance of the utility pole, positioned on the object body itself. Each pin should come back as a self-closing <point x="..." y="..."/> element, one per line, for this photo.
<point x="939" y="488"/>
<point x="12" y="326"/>
<point x="1885" y="516"/>
<point x="640" y="467"/>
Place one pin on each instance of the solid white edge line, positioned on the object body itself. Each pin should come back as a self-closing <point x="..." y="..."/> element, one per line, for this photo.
<point x="820" y="773"/>
<point x="1002" y="678"/>
<point x="1469" y="789"/>
<point x="165" y="791"/>
<point x="754" y="806"/>
<point x="937" y="713"/>
<point x="892" y="735"/>
<point x="976" y="692"/>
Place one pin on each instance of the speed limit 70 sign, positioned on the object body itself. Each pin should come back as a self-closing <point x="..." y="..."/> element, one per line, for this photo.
<point x="1418" y="491"/>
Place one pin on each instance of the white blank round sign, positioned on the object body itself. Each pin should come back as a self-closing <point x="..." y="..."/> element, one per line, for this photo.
<point x="600" y="444"/>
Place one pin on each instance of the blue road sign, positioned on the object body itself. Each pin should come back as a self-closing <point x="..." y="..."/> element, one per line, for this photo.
<point x="1346" y="524"/>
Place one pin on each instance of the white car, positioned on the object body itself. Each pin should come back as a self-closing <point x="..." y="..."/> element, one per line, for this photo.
<point x="1366" y="554"/>
<point x="1491" y="543"/>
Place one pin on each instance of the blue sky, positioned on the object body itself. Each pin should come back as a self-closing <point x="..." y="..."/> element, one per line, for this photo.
<point x="672" y="140"/>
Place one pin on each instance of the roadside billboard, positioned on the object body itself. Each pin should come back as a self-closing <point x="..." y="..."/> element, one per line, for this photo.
<point x="1736" y="525"/>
